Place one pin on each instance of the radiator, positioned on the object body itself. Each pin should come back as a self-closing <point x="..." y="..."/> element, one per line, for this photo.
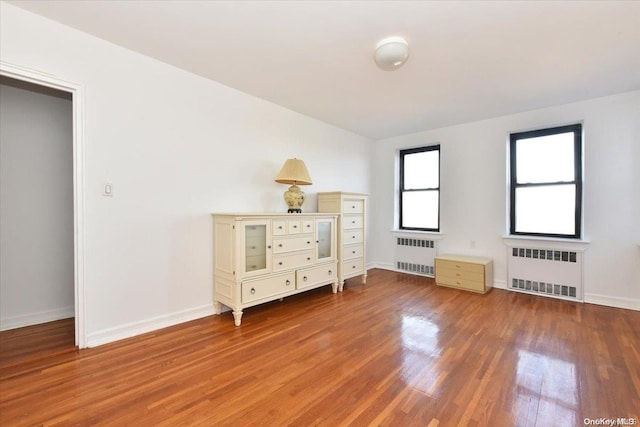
<point x="415" y="256"/>
<point x="550" y="272"/>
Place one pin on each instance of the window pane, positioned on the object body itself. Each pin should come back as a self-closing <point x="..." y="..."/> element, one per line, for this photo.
<point x="421" y="170"/>
<point x="545" y="159"/>
<point x="420" y="209"/>
<point x="547" y="209"/>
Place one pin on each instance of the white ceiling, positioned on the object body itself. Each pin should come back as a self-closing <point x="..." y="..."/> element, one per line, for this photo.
<point x="468" y="60"/>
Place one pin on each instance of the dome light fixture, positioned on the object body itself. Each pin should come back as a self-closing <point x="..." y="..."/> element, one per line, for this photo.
<point x="391" y="53"/>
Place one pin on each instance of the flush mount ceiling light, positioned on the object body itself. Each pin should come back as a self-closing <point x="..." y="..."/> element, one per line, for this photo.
<point x="391" y="53"/>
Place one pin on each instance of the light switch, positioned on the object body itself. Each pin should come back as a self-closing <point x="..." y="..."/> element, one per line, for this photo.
<point x="107" y="191"/>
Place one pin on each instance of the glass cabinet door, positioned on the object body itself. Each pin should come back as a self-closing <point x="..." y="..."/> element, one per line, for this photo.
<point x="255" y="239"/>
<point x="325" y="239"/>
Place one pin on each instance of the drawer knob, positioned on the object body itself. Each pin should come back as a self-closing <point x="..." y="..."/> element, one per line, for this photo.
<point x="295" y="226"/>
<point x="353" y="222"/>
<point x="269" y="247"/>
<point x="308" y="225"/>
<point x="330" y="272"/>
<point x="353" y="252"/>
<point x="280" y="263"/>
<point x="353" y="266"/>
<point x="353" y="237"/>
<point x="308" y="242"/>
<point x="253" y="291"/>
<point x="280" y="227"/>
<point x="288" y="282"/>
<point x="280" y="245"/>
<point x="304" y="278"/>
<point x="308" y="258"/>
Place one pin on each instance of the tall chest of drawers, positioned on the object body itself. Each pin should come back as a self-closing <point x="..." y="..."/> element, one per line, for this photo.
<point x="352" y="208"/>
<point x="263" y="257"/>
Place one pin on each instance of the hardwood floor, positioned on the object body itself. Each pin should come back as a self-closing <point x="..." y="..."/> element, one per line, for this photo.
<point x="398" y="351"/>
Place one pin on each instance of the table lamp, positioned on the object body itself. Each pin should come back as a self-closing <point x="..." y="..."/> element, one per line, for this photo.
<point x="294" y="172"/>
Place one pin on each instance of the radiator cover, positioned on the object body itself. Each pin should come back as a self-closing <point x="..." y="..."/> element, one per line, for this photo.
<point x="415" y="256"/>
<point x="551" y="272"/>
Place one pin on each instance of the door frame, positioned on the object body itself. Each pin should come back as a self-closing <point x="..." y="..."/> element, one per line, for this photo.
<point x="77" y="92"/>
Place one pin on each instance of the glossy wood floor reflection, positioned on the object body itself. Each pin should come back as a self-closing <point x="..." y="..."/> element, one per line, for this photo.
<point x="398" y="351"/>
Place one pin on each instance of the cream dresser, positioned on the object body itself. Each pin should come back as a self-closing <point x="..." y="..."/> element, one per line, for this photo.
<point x="263" y="257"/>
<point x="464" y="272"/>
<point x="352" y="208"/>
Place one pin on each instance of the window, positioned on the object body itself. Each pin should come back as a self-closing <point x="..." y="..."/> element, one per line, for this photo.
<point x="420" y="188"/>
<point x="546" y="182"/>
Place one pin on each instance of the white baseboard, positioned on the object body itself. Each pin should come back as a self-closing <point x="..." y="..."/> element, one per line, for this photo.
<point x="105" y="336"/>
<point x="382" y="265"/>
<point x="36" y="318"/>
<point x="500" y="284"/>
<point x="617" y="302"/>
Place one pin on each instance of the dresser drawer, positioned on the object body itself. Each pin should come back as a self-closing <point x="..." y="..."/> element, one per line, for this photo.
<point x="352" y="236"/>
<point x="353" y="206"/>
<point x="289" y="244"/>
<point x="460" y="274"/>
<point x="462" y="283"/>
<point x="317" y="275"/>
<point x="280" y="228"/>
<point x="353" y="251"/>
<point x="284" y="227"/>
<point x="353" y="267"/>
<point x="294" y="227"/>
<point x="254" y="290"/>
<point x="459" y="266"/>
<point x="293" y="260"/>
<point x="352" y="221"/>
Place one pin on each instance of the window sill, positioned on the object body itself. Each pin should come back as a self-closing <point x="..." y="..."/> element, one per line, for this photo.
<point x="543" y="242"/>
<point x="433" y="235"/>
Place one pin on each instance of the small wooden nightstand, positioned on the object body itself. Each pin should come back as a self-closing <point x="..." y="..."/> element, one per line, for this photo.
<point x="470" y="273"/>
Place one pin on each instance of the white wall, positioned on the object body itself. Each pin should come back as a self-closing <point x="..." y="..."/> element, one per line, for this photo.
<point x="176" y="147"/>
<point x="474" y="190"/>
<point x="36" y="207"/>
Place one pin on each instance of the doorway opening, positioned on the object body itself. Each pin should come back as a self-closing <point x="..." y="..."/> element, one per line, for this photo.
<point x="42" y="204"/>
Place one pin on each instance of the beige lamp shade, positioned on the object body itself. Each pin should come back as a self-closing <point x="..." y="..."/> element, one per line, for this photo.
<point x="294" y="172"/>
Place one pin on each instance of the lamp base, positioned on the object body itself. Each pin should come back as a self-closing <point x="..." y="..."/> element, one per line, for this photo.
<point x="294" y="197"/>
